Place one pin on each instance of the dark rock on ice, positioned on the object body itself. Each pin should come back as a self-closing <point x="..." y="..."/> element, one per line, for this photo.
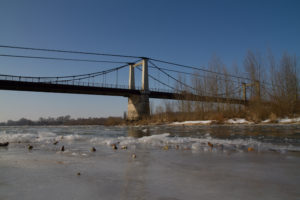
<point x="4" y="144"/>
<point x="93" y="149"/>
<point x="124" y="147"/>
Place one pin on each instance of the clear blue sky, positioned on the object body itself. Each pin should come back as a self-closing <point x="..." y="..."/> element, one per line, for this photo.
<point x="187" y="32"/>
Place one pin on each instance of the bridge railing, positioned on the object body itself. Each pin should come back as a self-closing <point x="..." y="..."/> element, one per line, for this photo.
<point x="53" y="80"/>
<point x="57" y="80"/>
<point x="105" y="85"/>
<point x="26" y="78"/>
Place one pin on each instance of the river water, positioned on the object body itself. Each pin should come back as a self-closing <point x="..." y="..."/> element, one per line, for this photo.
<point x="170" y="162"/>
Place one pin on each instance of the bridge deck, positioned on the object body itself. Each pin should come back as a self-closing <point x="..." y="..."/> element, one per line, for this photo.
<point x="92" y="90"/>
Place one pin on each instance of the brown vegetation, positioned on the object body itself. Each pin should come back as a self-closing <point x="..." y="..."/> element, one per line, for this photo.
<point x="272" y="89"/>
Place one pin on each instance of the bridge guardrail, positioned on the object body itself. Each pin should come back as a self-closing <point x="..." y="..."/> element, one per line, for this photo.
<point x="71" y="82"/>
<point x="53" y="80"/>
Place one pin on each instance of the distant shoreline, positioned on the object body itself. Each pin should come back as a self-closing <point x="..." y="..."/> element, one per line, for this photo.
<point x="64" y="121"/>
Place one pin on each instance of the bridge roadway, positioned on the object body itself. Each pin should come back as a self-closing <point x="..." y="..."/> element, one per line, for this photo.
<point x="96" y="90"/>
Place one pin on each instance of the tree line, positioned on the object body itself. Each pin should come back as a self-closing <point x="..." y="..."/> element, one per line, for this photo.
<point x="64" y="120"/>
<point x="271" y="89"/>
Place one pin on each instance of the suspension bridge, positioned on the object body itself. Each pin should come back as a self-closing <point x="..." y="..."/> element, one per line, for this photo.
<point x="160" y="82"/>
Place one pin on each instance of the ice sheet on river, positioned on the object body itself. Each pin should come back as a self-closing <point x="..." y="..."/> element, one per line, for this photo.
<point x="46" y="139"/>
<point x="204" y="162"/>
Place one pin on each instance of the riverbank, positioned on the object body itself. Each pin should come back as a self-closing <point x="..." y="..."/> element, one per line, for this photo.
<point x="231" y="121"/>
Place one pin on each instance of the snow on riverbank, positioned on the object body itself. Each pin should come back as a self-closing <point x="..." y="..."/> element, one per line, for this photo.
<point x="289" y="120"/>
<point x="238" y="121"/>
<point x="192" y="122"/>
<point x="207" y="122"/>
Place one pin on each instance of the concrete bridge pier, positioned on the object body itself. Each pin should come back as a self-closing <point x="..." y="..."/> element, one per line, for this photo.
<point x="138" y="105"/>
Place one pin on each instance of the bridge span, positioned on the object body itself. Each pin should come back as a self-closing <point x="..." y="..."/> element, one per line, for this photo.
<point x="85" y="88"/>
<point x="138" y="97"/>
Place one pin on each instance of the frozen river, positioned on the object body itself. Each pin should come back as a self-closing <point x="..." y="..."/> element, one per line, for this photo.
<point x="172" y="162"/>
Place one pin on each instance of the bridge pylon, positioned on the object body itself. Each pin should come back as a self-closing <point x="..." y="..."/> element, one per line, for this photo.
<point x="138" y="105"/>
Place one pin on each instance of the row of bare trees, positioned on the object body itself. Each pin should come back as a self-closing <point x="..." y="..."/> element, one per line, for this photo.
<point x="271" y="86"/>
<point x="284" y="78"/>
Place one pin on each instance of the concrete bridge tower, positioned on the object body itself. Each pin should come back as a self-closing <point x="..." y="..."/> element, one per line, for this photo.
<point x="138" y="105"/>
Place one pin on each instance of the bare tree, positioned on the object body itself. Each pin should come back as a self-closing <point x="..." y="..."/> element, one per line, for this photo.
<point x="254" y="67"/>
<point x="285" y="84"/>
